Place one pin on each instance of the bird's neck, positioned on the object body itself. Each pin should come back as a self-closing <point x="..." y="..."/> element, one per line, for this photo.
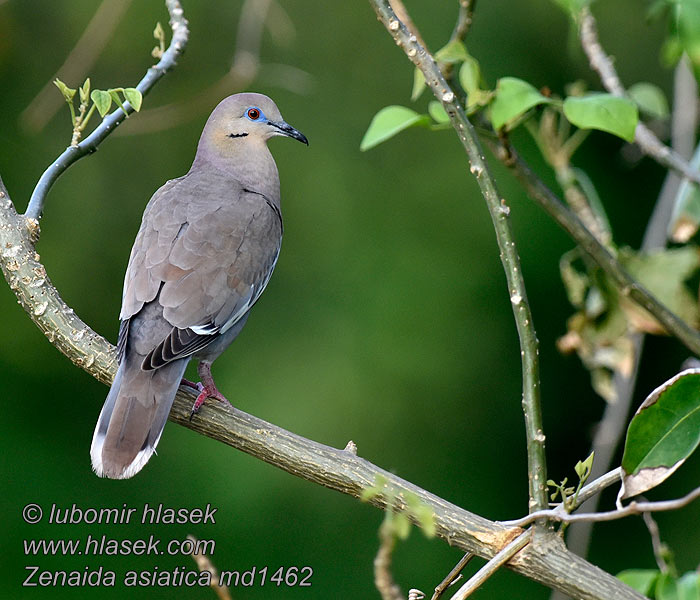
<point x="247" y="161"/>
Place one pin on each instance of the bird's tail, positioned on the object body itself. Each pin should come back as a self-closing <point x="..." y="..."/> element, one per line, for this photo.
<point x="133" y="417"/>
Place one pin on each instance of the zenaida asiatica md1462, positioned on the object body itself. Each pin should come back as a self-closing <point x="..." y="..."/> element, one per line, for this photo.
<point x="206" y="249"/>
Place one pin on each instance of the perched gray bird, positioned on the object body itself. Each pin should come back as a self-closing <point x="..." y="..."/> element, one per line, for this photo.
<point x="205" y="251"/>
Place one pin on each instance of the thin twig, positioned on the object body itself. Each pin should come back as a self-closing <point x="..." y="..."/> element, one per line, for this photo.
<point x="464" y="20"/>
<point x="452" y="576"/>
<point x="596" y="486"/>
<point x="178" y="23"/>
<point x="659" y="548"/>
<point x="480" y="577"/>
<point x="204" y="564"/>
<point x="499" y="210"/>
<point x="603" y="65"/>
<point x="383" y="579"/>
<point x="459" y="33"/>
<point x="633" y="508"/>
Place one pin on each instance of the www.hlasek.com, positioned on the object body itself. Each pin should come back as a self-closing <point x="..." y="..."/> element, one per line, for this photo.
<point x="102" y="545"/>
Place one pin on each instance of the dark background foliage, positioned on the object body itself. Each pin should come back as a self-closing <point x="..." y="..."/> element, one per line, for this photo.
<point x="387" y="320"/>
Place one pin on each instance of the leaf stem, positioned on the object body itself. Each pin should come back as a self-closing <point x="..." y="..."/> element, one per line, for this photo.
<point x="88" y="116"/>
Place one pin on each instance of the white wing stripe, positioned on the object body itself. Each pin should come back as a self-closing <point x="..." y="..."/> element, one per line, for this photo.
<point x="255" y="293"/>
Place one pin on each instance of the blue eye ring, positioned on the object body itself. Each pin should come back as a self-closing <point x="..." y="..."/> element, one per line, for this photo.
<point x="254" y="113"/>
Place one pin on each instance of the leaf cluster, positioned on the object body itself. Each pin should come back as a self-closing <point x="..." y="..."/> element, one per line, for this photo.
<point x="96" y="99"/>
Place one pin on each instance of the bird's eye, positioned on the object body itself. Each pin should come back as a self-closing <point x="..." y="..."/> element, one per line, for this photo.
<point x="253" y="114"/>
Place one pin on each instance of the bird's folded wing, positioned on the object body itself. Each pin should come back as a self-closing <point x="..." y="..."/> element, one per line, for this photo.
<point x="204" y="261"/>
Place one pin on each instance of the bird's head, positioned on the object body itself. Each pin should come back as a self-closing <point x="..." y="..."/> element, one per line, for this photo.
<point x="249" y="118"/>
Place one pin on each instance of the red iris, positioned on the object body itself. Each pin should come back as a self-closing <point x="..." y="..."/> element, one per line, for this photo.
<point x="253" y="114"/>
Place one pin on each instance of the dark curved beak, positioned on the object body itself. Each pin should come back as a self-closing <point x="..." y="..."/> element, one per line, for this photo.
<point x="289" y="131"/>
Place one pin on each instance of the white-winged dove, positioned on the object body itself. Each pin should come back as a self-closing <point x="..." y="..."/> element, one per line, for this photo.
<point x="205" y="251"/>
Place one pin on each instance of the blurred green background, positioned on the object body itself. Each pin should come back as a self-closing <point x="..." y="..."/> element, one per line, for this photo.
<point x="387" y="320"/>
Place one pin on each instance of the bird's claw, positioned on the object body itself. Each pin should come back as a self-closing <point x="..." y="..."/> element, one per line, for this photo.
<point x="204" y="393"/>
<point x="190" y="384"/>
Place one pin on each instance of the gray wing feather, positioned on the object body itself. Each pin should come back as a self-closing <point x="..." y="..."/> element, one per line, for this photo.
<point x="205" y="258"/>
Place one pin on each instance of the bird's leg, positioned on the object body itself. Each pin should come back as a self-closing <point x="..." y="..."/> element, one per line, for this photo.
<point x="207" y="388"/>
<point x="190" y="384"/>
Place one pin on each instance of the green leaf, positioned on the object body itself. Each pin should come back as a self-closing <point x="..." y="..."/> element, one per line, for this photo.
<point x="689" y="586"/>
<point x="388" y="122"/>
<point x="134" y="97"/>
<point x="605" y="112"/>
<point x="422" y="513"/>
<point x="85" y="91"/>
<point x="642" y="580"/>
<point x="671" y="51"/>
<point x="426" y="518"/>
<point x="401" y="525"/>
<point x="470" y="79"/>
<point x="114" y="93"/>
<point x="514" y="97"/>
<point x="666" y="588"/>
<point x="583" y="468"/>
<point x="451" y="53"/>
<point x="650" y="99"/>
<point x="664" y="273"/>
<point x="437" y="112"/>
<point x="368" y="494"/>
<point x="418" y="84"/>
<point x="102" y="100"/>
<point x="684" y="33"/>
<point x="67" y="92"/>
<point x="470" y="75"/>
<point x="576" y="282"/>
<point x="377" y="489"/>
<point x="663" y="433"/>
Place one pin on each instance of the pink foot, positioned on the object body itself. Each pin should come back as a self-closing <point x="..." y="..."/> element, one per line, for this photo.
<point x="190" y="384"/>
<point x="207" y="389"/>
